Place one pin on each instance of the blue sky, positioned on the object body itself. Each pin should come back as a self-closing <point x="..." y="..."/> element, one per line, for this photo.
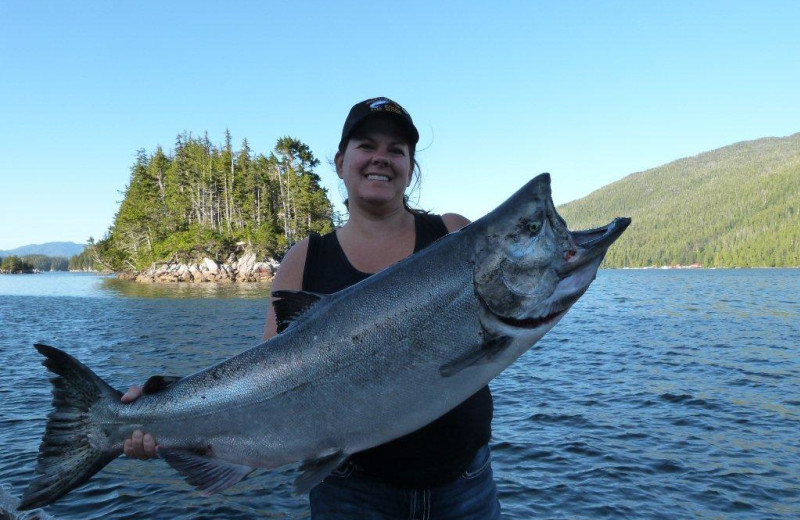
<point x="500" y="91"/>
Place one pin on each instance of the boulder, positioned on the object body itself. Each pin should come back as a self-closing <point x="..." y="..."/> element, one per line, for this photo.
<point x="245" y="268"/>
<point x="209" y="265"/>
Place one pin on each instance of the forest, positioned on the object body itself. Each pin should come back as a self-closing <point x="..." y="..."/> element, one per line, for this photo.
<point x="737" y="206"/>
<point x="15" y="265"/>
<point x="205" y="200"/>
<point x="32" y="263"/>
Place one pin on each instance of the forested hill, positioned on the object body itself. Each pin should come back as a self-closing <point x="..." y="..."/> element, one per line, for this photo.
<point x="55" y="249"/>
<point x="737" y="206"/>
<point x="205" y="200"/>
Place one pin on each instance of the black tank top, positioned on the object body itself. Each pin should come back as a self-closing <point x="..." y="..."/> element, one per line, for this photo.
<point x="441" y="451"/>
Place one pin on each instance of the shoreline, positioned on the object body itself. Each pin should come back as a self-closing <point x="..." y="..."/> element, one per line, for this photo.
<point x="167" y="273"/>
<point x="244" y="269"/>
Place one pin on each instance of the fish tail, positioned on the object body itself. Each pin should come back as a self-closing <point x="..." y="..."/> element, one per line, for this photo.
<point x="73" y="447"/>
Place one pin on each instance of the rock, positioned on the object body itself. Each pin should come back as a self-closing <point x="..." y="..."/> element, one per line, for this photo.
<point x="246" y="263"/>
<point x="265" y="269"/>
<point x="182" y="273"/>
<point x="245" y="268"/>
<point x="210" y="265"/>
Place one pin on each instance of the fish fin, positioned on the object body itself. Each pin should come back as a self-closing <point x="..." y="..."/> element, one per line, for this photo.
<point x="315" y="470"/>
<point x="156" y="384"/>
<point x="289" y="305"/>
<point x="208" y="474"/>
<point x="485" y="354"/>
<point x="73" y="447"/>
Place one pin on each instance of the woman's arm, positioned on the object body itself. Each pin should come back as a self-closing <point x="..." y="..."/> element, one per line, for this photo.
<point x="454" y="221"/>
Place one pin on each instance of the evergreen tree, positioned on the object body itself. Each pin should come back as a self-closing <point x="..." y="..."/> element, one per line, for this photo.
<point x="202" y="200"/>
<point x="14" y="265"/>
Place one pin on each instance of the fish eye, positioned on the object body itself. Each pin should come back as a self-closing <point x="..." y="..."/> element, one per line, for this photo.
<point x="533" y="226"/>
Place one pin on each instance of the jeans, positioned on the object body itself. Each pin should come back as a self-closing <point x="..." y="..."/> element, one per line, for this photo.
<point x="349" y="494"/>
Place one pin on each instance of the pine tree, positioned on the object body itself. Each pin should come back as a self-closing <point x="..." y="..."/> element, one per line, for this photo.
<point x="203" y="200"/>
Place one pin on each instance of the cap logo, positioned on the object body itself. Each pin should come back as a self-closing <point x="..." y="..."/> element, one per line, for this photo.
<point x="375" y="106"/>
<point x="387" y="105"/>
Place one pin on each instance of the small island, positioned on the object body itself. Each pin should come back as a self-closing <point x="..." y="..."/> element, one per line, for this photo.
<point x="16" y="265"/>
<point x="209" y="213"/>
<point x="32" y="263"/>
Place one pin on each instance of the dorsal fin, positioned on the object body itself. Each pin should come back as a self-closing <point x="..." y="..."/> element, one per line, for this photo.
<point x="289" y="305"/>
<point x="157" y="384"/>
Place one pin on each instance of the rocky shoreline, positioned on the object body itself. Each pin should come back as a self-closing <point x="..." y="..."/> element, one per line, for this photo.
<point x="243" y="269"/>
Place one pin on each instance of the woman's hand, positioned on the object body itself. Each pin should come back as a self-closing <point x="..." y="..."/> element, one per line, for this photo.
<point x="141" y="445"/>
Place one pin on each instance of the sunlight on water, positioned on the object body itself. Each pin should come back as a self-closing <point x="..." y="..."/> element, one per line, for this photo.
<point x="52" y="284"/>
<point x="84" y="285"/>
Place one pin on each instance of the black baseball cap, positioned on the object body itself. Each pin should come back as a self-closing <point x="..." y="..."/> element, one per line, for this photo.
<point x="375" y="106"/>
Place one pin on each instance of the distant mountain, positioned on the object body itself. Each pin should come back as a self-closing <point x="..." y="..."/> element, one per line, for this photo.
<point x="737" y="206"/>
<point x="62" y="249"/>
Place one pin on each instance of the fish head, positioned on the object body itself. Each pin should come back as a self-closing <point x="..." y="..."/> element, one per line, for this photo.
<point x="528" y="267"/>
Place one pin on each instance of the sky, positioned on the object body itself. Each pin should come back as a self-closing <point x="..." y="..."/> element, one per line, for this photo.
<point x="500" y="91"/>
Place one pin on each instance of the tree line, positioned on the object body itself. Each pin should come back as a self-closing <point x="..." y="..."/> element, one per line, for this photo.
<point x="201" y="199"/>
<point x="32" y="263"/>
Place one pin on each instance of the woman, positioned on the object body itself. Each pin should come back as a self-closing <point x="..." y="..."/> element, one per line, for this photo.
<point x="442" y="470"/>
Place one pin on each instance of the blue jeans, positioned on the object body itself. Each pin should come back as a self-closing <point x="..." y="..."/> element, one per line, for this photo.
<point x="349" y="494"/>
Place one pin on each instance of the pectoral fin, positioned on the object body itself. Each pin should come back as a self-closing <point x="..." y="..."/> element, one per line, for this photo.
<point x="208" y="474"/>
<point x="485" y="354"/>
<point x="314" y="471"/>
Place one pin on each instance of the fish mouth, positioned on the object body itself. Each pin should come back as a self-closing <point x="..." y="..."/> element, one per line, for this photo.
<point x="532" y="323"/>
<point x="593" y="243"/>
<point x="525" y="323"/>
<point x="603" y="236"/>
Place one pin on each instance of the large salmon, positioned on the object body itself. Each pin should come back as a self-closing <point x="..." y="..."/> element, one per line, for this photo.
<point x="351" y="370"/>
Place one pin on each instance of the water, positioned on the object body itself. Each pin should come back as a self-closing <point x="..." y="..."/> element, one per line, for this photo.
<point x="661" y="394"/>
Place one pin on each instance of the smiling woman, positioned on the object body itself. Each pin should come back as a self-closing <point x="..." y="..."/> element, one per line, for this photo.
<point x="376" y="161"/>
<point x="380" y="117"/>
<point x="375" y="166"/>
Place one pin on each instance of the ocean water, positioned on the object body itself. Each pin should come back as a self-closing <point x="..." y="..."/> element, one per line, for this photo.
<point x="661" y="394"/>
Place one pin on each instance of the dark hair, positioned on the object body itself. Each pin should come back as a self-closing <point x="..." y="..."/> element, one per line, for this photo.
<point x="416" y="171"/>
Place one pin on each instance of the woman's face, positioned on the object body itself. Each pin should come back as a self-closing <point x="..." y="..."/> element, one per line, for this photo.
<point x="376" y="167"/>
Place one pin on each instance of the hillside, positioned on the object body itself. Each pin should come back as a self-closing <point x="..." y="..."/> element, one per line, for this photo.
<point x="737" y="206"/>
<point x="54" y="249"/>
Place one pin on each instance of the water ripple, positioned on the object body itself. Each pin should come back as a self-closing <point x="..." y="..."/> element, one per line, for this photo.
<point x="661" y="394"/>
